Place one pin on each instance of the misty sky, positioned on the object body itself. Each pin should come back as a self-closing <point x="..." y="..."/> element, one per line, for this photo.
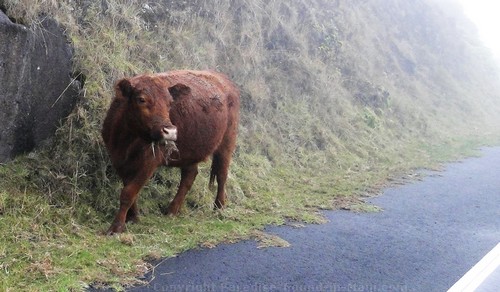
<point x="486" y="15"/>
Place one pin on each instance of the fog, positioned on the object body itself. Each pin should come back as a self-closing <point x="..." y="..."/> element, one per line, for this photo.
<point x="485" y="15"/>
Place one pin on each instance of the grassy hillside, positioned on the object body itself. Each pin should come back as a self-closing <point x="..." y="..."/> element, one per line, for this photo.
<point x="336" y="97"/>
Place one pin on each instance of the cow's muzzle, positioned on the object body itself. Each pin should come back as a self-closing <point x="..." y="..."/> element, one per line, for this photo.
<point x="169" y="133"/>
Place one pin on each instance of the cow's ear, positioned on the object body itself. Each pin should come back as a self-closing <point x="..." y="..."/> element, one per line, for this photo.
<point x="124" y="87"/>
<point x="179" y="90"/>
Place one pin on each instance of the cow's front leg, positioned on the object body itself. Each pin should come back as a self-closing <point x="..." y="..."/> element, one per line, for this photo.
<point x="133" y="213"/>
<point x="128" y="198"/>
<point x="188" y="174"/>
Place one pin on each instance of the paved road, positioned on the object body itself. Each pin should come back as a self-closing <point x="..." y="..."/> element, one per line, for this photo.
<point x="430" y="233"/>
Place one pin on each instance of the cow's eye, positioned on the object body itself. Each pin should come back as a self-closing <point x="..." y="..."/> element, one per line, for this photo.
<point x="141" y="100"/>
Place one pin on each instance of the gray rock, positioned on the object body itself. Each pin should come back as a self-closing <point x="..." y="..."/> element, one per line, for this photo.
<point x="36" y="88"/>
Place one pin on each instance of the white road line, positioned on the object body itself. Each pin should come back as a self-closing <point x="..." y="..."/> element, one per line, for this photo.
<point x="480" y="272"/>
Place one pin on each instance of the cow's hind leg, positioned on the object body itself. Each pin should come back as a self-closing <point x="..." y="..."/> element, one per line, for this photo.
<point x="222" y="158"/>
<point x="219" y="171"/>
<point x="188" y="174"/>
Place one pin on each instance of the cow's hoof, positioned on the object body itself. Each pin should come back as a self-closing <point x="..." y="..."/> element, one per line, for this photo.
<point x="172" y="210"/>
<point x="218" y="205"/>
<point x="115" y="228"/>
<point x="132" y="216"/>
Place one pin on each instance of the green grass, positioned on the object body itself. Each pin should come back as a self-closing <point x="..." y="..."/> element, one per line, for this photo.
<point x="332" y="107"/>
<point x="46" y="248"/>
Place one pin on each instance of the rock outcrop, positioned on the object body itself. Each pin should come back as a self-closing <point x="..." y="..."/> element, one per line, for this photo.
<point x="36" y="87"/>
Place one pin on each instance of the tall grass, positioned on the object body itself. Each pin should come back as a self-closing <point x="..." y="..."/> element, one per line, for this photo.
<point x="336" y="97"/>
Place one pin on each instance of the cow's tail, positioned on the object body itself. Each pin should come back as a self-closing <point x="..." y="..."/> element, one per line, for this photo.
<point x="213" y="172"/>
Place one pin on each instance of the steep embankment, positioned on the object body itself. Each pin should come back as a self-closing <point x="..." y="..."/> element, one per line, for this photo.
<point x="336" y="96"/>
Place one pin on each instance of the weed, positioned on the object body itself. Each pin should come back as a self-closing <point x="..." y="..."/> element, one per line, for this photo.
<point x="334" y="103"/>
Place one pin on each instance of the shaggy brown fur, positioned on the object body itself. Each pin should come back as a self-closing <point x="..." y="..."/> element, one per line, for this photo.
<point x="199" y="110"/>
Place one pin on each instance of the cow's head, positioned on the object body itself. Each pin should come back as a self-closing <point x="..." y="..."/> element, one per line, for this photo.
<point x="148" y="102"/>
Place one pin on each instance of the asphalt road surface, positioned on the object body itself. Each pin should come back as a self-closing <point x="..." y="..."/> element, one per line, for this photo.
<point x="429" y="234"/>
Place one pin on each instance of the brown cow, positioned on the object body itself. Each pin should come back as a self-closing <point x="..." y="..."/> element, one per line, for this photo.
<point x="199" y="110"/>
